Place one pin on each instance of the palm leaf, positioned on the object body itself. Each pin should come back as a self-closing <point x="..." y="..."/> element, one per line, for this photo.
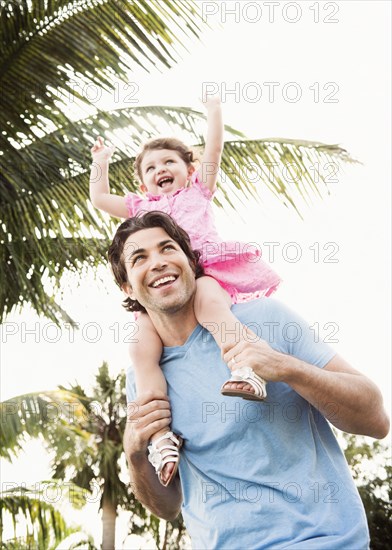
<point x="84" y="431"/>
<point x="47" y="223"/>
<point x="42" y="240"/>
<point x="48" y="525"/>
<point x="48" y="47"/>
<point x="54" y="415"/>
<point x="48" y="51"/>
<point x="286" y="168"/>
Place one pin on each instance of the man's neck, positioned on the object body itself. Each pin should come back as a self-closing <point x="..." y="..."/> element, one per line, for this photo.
<point x="175" y="328"/>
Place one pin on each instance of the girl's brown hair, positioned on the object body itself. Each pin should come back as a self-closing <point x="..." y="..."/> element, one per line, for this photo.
<point x="172" y="144"/>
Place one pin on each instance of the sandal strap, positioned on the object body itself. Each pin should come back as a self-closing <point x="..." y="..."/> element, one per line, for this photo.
<point x="159" y="456"/>
<point x="167" y="435"/>
<point x="246" y="374"/>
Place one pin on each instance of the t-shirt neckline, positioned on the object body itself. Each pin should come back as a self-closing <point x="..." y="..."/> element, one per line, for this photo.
<point x="170" y="350"/>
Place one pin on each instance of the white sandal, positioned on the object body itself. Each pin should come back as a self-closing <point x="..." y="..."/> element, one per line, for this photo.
<point x="246" y="374"/>
<point x="160" y="456"/>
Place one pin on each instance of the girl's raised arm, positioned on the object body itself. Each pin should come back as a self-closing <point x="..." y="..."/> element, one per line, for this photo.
<point x="214" y="142"/>
<point x="99" y="182"/>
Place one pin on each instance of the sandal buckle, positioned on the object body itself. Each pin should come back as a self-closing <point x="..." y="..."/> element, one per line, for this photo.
<point x="155" y="457"/>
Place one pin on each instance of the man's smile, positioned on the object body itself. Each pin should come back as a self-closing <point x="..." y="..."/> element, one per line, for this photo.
<point x="164" y="280"/>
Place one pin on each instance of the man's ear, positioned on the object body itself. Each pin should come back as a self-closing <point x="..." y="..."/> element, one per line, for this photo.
<point x="127" y="291"/>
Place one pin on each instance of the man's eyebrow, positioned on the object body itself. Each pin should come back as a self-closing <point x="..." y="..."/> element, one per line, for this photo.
<point x="159" y="245"/>
<point x="166" y="241"/>
<point x="137" y="251"/>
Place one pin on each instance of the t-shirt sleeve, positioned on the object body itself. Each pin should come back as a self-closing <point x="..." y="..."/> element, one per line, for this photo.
<point x="198" y="184"/>
<point x="134" y="204"/>
<point x="295" y="336"/>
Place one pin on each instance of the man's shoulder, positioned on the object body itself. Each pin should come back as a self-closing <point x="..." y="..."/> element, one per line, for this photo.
<point x="260" y="306"/>
<point x="266" y="314"/>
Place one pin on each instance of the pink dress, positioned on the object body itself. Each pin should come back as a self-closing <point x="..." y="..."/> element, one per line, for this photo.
<point x="238" y="267"/>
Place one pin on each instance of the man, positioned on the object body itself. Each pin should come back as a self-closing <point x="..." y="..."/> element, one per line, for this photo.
<point x="252" y="475"/>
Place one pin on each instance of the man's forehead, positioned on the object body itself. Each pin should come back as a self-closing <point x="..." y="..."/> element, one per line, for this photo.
<point x="146" y="239"/>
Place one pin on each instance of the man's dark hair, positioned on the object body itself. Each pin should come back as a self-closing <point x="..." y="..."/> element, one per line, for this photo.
<point x="138" y="223"/>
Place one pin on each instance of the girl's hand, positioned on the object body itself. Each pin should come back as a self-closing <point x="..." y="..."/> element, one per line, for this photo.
<point x="102" y="152"/>
<point x="211" y="100"/>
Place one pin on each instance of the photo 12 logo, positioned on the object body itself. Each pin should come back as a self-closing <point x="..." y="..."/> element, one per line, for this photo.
<point x="273" y="91"/>
<point x="270" y="12"/>
<point x="90" y="332"/>
<point x="271" y="492"/>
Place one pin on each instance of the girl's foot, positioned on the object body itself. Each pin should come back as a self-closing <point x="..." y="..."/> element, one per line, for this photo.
<point x="238" y="386"/>
<point x="245" y="383"/>
<point x="163" y="454"/>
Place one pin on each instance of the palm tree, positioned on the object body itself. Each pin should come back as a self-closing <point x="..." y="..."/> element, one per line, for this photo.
<point x="47" y="48"/>
<point x="45" y="525"/>
<point x="374" y="485"/>
<point x="85" y="433"/>
<point x="51" y="51"/>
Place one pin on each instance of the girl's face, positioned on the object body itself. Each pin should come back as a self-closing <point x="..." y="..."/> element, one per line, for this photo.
<point x="164" y="172"/>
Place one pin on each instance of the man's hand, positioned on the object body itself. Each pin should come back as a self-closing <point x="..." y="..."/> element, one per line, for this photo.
<point x="257" y="354"/>
<point x="148" y="414"/>
<point x="102" y="152"/>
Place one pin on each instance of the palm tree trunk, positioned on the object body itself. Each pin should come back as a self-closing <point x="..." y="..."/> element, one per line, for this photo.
<point x="165" y="537"/>
<point x="108" y="524"/>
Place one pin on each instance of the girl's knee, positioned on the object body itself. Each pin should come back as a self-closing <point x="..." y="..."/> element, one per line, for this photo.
<point x="209" y="293"/>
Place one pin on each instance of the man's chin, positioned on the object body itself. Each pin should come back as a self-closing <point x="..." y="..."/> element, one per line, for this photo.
<point x="168" y="306"/>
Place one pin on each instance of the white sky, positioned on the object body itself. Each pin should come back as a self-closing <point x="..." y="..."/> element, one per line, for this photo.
<point x="353" y="295"/>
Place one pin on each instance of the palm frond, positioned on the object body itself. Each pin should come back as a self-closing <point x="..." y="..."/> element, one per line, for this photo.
<point x="46" y="48"/>
<point x="49" y="225"/>
<point x="81" y="41"/>
<point x="84" y="431"/>
<point x="48" y="526"/>
<point x="33" y="264"/>
<point x="46" y="218"/>
<point x="50" y="50"/>
<point x="292" y="170"/>
<point x="52" y="415"/>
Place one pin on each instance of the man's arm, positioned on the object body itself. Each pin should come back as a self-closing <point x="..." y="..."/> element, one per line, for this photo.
<point x="148" y="414"/>
<point x="347" y="398"/>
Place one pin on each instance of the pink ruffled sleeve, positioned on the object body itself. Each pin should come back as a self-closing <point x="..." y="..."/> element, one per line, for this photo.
<point x="196" y="182"/>
<point x="133" y="203"/>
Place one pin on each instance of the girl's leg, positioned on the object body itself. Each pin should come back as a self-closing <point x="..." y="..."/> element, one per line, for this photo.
<point x="145" y="355"/>
<point x="212" y="310"/>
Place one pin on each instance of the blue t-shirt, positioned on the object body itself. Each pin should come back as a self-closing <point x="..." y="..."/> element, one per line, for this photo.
<point x="258" y="475"/>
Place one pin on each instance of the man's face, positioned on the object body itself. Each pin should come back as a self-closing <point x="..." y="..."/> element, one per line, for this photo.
<point x="159" y="274"/>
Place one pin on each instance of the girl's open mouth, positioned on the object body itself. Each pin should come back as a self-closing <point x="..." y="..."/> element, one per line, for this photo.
<point x="164" y="182"/>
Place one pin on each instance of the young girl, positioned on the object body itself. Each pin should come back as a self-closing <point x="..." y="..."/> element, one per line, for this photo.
<point x="233" y="271"/>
